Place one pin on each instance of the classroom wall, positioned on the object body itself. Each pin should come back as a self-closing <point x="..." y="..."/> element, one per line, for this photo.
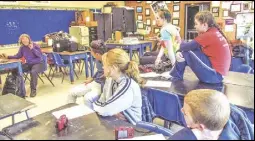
<point x="219" y="19"/>
<point x="67" y="4"/>
<point x="83" y="4"/>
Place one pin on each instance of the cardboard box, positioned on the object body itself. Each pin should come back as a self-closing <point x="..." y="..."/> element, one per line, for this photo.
<point x="118" y="35"/>
<point x="91" y="24"/>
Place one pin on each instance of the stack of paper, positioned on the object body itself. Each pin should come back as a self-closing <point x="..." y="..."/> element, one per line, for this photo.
<point x="74" y="112"/>
<point x="149" y="137"/>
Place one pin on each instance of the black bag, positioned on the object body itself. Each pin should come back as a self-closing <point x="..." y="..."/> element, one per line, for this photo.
<point x="243" y="51"/>
<point x="64" y="45"/>
<point x="14" y="84"/>
<point x="72" y="46"/>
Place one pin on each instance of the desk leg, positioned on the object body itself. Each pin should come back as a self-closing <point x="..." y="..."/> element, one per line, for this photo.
<point x="27" y="114"/>
<point x="20" y="69"/>
<point x="141" y="50"/>
<point x="13" y="120"/>
<point x="86" y="66"/>
<point x="91" y="66"/>
<point x="150" y="46"/>
<point x="71" y="70"/>
<point x="130" y="52"/>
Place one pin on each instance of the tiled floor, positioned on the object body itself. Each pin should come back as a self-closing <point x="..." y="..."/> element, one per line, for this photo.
<point x="49" y="97"/>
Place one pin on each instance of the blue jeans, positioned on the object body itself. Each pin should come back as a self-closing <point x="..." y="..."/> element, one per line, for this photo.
<point x="200" y="65"/>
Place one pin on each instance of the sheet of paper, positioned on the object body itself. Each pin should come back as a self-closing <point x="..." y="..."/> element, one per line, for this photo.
<point x="166" y="74"/>
<point x="74" y="112"/>
<point x="229" y="28"/>
<point x="159" y="84"/>
<point x="149" y="74"/>
<point x="149" y="137"/>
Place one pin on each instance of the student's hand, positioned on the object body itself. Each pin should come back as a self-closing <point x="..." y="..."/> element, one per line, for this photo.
<point x="31" y="46"/>
<point x="120" y="116"/>
<point x="89" y="80"/>
<point x="179" y="57"/>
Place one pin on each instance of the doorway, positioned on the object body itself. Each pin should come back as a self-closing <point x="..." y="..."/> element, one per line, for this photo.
<point x="191" y="11"/>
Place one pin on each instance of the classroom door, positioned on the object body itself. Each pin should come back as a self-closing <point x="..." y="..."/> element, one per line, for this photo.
<point x="191" y="11"/>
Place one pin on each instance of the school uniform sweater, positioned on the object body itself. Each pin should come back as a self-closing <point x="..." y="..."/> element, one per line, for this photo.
<point x="238" y="127"/>
<point x="120" y="96"/>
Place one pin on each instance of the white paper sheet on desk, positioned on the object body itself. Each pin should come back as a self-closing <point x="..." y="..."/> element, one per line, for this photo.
<point x="154" y="74"/>
<point x="74" y="112"/>
<point x="149" y="74"/>
<point x="159" y="84"/>
<point x="149" y="137"/>
<point x="165" y="74"/>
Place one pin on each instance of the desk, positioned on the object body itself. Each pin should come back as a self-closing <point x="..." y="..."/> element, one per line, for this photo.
<point x="242" y="79"/>
<point x="12" y="63"/>
<point x="11" y="104"/>
<point x="70" y="57"/>
<point x="240" y="95"/>
<point x="87" y="127"/>
<point x="130" y="47"/>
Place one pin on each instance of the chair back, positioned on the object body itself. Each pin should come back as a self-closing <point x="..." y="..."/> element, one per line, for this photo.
<point x="45" y="66"/>
<point x="154" y="128"/>
<point x="166" y="105"/>
<point x="244" y="69"/>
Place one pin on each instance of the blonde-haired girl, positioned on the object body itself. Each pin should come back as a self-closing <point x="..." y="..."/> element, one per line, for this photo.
<point x="121" y="93"/>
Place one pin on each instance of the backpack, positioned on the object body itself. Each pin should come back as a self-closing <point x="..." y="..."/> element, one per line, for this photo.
<point x="14" y="84"/>
<point x="160" y="68"/>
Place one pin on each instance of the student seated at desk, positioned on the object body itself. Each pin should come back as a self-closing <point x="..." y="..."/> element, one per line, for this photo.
<point x="209" y="116"/>
<point x="121" y="95"/>
<point x="34" y="61"/>
<point x="208" y="55"/>
<point x="93" y="86"/>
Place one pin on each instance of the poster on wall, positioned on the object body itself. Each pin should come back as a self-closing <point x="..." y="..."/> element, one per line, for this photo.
<point x="157" y="5"/>
<point x="245" y="25"/>
<point x="229" y="25"/>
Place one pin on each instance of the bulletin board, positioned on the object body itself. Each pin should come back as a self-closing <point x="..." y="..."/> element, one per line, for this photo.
<point x="36" y="23"/>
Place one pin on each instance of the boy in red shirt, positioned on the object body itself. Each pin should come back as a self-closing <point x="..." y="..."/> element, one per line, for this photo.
<point x="208" y="55"/>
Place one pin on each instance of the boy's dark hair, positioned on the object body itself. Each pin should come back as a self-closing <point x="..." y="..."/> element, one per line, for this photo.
<point x="98" y="46"/>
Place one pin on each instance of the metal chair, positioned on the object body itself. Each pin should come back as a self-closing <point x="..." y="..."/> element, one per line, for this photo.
<point x="58" y="62"/>
<point x="154" y="128"/>
<point x="42" y="72"/>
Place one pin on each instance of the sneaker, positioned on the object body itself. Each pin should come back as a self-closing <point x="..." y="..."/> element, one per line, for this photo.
<point x="33" y="93"/>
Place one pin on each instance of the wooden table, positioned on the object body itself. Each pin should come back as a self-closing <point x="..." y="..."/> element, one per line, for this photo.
<point x="132" y="46"/>
<point x="87" y="127"/>
<point x="10" y="105"/>
<point x="70" y="57"/>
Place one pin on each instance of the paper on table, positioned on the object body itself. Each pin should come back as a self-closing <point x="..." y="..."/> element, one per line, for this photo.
<point x="149" y="137"/>
<point x="159" y="84"/>
<point x="166" y="74"/>
<point x="149" y="74"/>
<point x="153" y="74"/>
<point x="74" y="112"/>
